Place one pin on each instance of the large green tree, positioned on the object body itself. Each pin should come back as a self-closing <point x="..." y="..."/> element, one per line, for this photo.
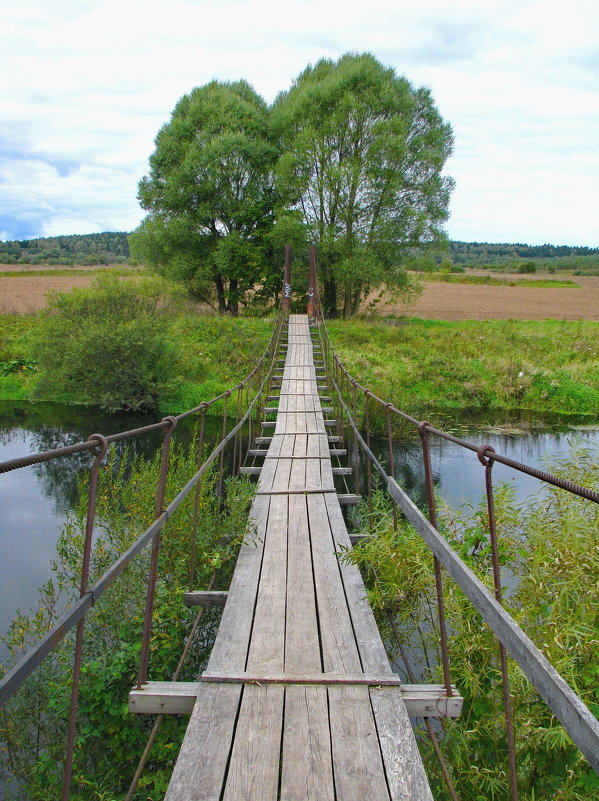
<point x="210" y="194"/>
<point x="362" y="155"/>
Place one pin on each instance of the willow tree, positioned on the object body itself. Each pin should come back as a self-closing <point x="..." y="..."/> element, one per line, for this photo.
<point x="362" y="157"/>
<point x="210" y="194"/>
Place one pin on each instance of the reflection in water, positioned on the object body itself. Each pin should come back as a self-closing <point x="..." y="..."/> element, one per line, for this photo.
<point x="458" y="475"/>
<point x="34" y="501"/>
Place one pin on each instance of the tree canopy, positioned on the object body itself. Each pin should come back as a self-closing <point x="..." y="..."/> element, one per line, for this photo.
<point x="349" y="159"/>
<point x="362" y="154"/>
<point x="210" y="193"/>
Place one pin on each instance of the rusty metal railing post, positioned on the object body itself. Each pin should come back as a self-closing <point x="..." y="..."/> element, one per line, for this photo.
<point x="356" y="459"/>
<point x="237" y="440"/>
<point x="432" y="516"/>
<point x="391" y="456"/>
<point x="368" y="461"/>
<point x="221" y="466"/>
<point x="153" y="571"/>
<point x="344" y="397"/>
<point x="486" y="460"/>
<point x="248" y="399"/>
<point x="312" y="283"/>
<point x="338" y="414"/>
<point x="286" y="302"/>
<point x="87" y="549"/>
<point x="196" y="506"/>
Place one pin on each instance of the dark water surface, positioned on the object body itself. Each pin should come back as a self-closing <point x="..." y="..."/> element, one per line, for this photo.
<point x="35" y="500"/>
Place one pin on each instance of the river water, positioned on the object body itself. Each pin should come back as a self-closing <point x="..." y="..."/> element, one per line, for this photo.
<point x="34" y="501"/>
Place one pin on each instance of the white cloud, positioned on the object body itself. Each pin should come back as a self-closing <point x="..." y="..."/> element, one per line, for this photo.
<point x="91" y="82"/>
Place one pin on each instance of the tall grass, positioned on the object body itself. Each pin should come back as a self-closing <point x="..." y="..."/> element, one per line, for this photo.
<point x="545" y="366"/>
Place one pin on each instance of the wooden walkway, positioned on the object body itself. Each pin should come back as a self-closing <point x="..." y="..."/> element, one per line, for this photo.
<point x="298" y="700"/>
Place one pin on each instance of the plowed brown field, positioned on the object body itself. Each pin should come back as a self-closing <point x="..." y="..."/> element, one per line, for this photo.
<point x="440" y="301"/>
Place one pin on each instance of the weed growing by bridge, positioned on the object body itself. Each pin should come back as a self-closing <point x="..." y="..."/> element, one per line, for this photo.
<point x="208" y="355"/>
<point x="110" y="740"/>
<point x="550" y="562"/>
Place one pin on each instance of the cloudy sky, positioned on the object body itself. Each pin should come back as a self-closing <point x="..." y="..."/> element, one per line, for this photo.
<point x="86" y="84"/>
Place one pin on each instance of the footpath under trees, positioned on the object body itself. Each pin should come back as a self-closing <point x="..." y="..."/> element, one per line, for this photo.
<point x="350" y="158"/>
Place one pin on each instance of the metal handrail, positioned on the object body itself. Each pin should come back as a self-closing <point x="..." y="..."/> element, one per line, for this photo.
<point x="568" y="708"/>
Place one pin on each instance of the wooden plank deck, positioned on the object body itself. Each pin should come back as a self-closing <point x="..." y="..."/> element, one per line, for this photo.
<point x="294" y="610"/>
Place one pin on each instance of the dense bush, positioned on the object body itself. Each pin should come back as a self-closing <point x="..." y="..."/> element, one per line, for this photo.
<point x="105" y="345"/>
<point x="527" y="267"/>
<point x="550" y="563"/>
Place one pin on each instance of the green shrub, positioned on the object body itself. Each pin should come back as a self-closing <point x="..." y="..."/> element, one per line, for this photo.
<point x="105" y="345"/>
<point x="527" y="267"/>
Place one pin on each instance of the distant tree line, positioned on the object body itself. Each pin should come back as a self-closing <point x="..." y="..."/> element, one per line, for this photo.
<point x="470" y="254"/>
<point x="111" y="247"/>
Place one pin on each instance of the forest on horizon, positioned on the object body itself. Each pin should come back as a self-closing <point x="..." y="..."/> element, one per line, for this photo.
<point x="112" y="247"/>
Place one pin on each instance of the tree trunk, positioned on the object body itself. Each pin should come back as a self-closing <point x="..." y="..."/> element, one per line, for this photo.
<point x="347" y="303"/>
<point x="220" y="292"/>
<point x="233" y="297"/>
<point x="356" y="300"/>
<point x="330" y="297"/>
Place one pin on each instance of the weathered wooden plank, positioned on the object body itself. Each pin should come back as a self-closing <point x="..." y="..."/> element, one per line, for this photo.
<point x="357" y="762"/>
<point x="214" y="714"/>
<point x="254" y="766"/>
<point x="306" y="768"/>
<point x="179" y="697"/>
<point x="164" y="697"/>
<point x="287" y="446"/>
<point x="212" y="721"/>
<point x="348" y="499"/>
<point x="205" y="598"/>
<point x="254" y="762"/>
<point x="298" y="474"/>
<point x="357" y="759"/>
<point x="232" y="641"/>
<point x="282" y="473"/>
<point x="403" y="765"/>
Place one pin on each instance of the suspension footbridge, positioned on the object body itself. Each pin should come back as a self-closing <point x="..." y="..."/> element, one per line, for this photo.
<point x="298" y="699"/>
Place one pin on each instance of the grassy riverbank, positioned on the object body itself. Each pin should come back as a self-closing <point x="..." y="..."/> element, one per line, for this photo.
<point x="544" y="366"/>
<point x="212" y="354"/>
